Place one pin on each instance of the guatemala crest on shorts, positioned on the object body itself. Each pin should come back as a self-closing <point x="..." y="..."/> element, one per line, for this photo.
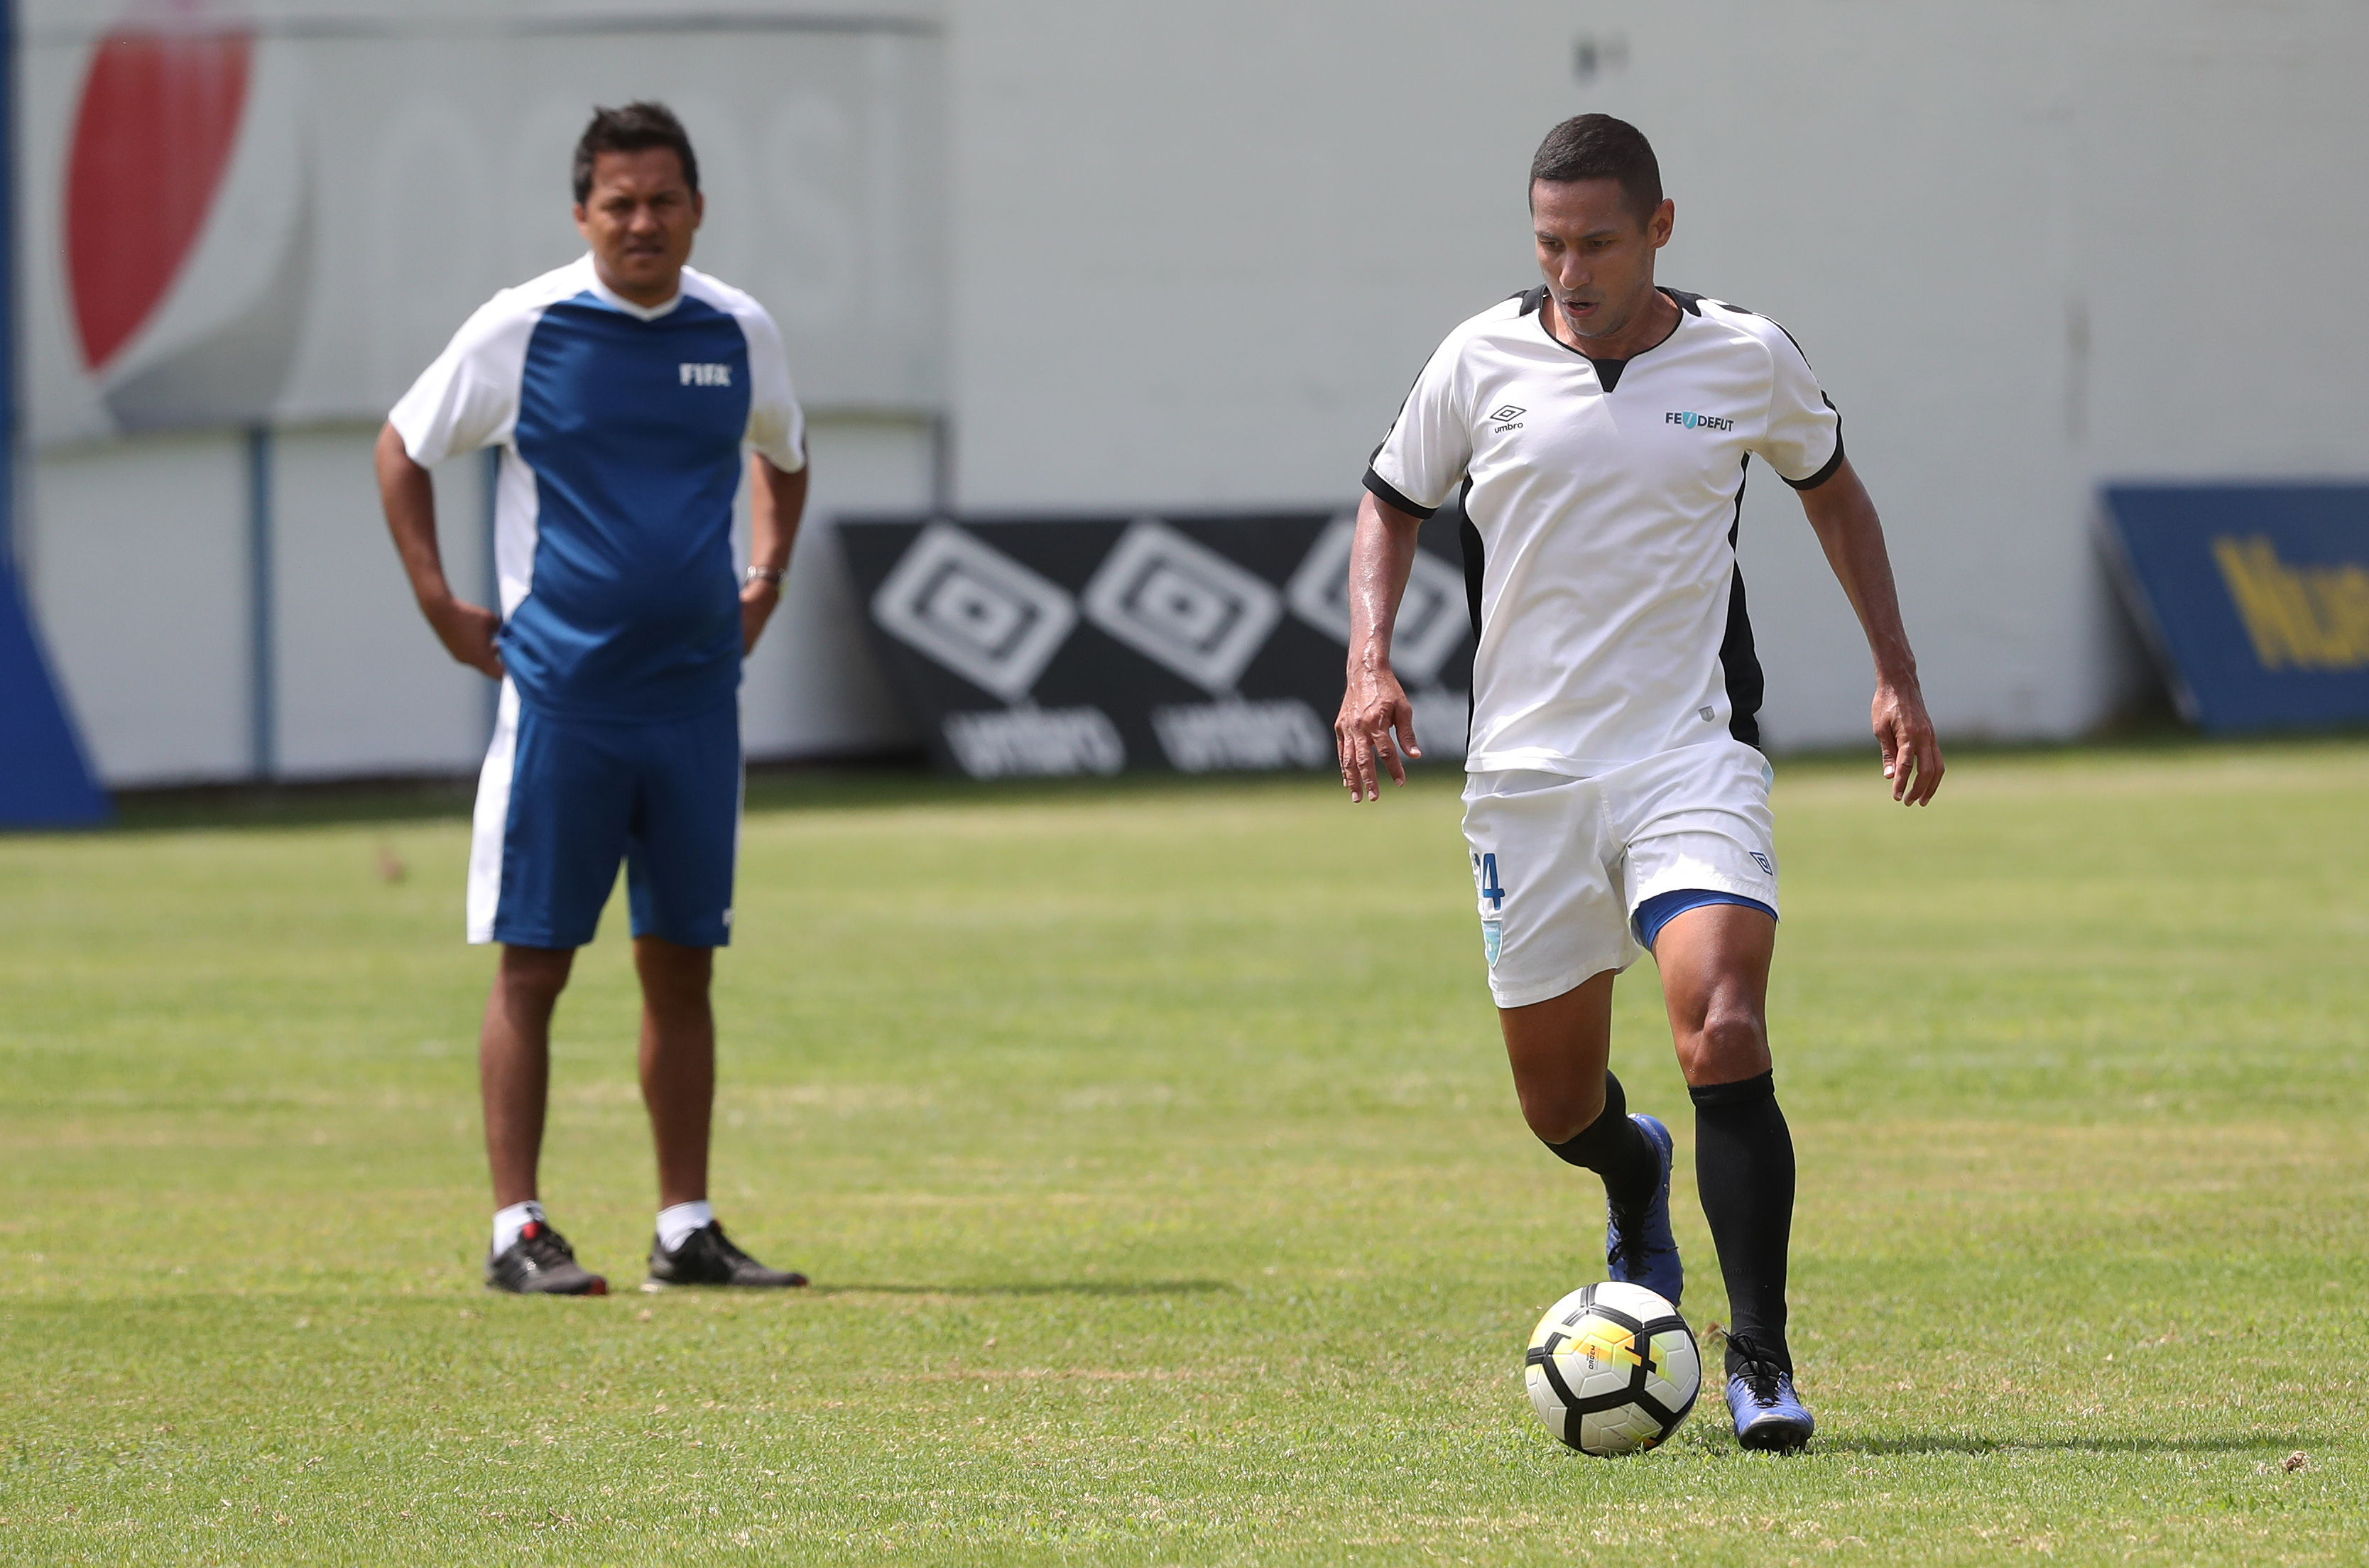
<point x="1493" y="938"/>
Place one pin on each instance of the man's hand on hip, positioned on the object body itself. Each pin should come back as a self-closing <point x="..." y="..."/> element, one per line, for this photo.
<point x="467" y="632"/>
<point x="1374" y="704"/>
<point x="1912" y="752"/>
<point x="757" y="601"/>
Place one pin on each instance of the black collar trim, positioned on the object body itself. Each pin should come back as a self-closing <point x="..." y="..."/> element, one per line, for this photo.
<point x="1608" y="371"/>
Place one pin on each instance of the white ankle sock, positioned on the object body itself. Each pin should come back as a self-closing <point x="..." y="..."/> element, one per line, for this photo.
<point x="509" y="1222"/>
<point x="676" y="1224"/>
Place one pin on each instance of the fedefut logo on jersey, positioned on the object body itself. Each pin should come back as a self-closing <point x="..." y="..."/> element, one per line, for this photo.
<point x="1699" y="422"/>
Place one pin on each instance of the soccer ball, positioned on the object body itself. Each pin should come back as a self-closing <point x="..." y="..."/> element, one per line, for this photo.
<point x="1612" y="1368"/>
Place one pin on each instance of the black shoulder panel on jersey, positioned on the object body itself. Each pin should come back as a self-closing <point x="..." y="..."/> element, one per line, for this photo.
<point x="1388" y="494"/>
<point x="1531" y="299"/>
<point x="1826" y="472"/>
<point x="1468" y="541"/>
<point x="1691" y="303"/>
<point x="1745" y="684"/>
<point x="1739" y="661"/>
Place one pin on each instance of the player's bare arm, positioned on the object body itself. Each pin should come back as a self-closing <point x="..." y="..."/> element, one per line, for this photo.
<point x="408" y="496"/>
<point x="1843" y="516"/>
<point x="776" y="502"/>
<point x="1381" y="559"/>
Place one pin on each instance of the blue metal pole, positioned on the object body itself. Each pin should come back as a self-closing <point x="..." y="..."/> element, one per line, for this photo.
<point x="262" y="674"/>
<point x="8" y="283"/>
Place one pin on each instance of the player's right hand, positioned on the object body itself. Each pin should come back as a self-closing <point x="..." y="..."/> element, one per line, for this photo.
<point x="1903" y="735"/>
<point x="1374" y="704"/>
<point x="467" y="632"/>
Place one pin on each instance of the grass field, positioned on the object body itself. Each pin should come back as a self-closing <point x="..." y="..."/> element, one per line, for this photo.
<point x="1156" y="1161"/>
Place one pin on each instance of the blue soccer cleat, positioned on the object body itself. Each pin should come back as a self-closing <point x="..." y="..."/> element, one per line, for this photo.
<point x="1638" y="1246"/>
<point x="1768" y="1416"/>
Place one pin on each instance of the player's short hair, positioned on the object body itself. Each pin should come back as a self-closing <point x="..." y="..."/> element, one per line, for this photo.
<point x="1597" y="146"/>
<point x="638" y="126"/>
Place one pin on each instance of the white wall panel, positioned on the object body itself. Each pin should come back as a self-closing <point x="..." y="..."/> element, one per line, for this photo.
<point x="363" y="686"/>
<point x="138" y="569"/>
<point x="1203" y="251"/>
<point x="1194" y="255"/>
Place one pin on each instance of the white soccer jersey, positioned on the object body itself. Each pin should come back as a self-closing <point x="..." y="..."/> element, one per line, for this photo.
<point x="1603" y="499"/>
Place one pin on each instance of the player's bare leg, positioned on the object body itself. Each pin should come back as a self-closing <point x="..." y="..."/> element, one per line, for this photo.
<point x="678" y="1061"/>
<point x="1559" y="1049"/>
<point x="1715" y="962"/>
<point x="514" y="1082"/>
<point x="514" y="1064"/>
<point x="678" y="1087"/>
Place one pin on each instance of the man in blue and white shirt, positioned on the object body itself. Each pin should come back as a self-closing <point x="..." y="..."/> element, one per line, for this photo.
<point x="621" y="391"/>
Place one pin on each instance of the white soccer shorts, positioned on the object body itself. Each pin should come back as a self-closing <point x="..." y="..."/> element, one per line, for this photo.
<point x="1559" y="865"/>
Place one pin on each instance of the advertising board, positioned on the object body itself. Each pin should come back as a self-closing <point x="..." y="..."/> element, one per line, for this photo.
<point x="2254" y="597"/>
<point x="1034" y="646"/>
<point x="230" y="215"/>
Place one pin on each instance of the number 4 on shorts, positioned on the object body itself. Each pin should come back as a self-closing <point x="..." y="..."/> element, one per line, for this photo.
<point x="1487" y="864"/>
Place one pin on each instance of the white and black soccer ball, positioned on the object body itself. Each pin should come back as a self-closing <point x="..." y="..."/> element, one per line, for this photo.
<point x="1612" y="1368"/>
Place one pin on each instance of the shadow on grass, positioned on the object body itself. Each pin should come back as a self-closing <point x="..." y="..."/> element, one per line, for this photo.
<point x="1116" y="1287"/>
<point x="1930" y="1444"/>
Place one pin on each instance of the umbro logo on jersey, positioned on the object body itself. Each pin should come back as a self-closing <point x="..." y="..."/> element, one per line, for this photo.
<point x="706" y="375"/>
<point x="1508" y="412"/>
<point x="1700" y="421"/>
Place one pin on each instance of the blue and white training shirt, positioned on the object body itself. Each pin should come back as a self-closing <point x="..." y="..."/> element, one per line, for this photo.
<point x="620" y="430"/>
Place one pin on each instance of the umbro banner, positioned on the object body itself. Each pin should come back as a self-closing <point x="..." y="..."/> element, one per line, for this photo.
<point x="2254" y="597"/>
<point x="1036" y="647"/>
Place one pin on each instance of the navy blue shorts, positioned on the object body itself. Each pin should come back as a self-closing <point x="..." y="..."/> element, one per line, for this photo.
<point x="561" y="801"/>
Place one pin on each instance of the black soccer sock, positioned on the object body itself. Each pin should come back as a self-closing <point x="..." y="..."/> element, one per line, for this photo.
<point x="1616" y="1148"/>
<point x="1744" y="1166"/>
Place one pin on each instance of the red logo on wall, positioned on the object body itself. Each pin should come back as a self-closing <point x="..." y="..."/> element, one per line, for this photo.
<point x="151" y="142"/>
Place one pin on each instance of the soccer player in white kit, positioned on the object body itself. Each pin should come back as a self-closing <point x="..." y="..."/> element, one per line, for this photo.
<point x="1600" y="427"/>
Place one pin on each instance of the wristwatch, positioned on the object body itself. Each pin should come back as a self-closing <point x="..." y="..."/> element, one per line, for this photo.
<point x="760" y="574"/>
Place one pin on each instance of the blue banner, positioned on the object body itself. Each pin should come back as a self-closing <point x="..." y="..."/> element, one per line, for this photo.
<point x="2254" y="597"/>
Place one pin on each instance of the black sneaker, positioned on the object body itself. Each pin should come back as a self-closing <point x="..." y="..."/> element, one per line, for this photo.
<point x="707" y="1257"/>
<point x="540" y="1263"/>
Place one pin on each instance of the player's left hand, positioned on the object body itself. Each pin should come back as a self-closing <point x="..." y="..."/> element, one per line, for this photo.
<point x="1904" y="732"/>
<point x="757" y="603"/>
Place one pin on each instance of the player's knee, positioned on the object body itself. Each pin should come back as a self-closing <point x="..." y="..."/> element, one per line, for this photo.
<point x="674" y="979"/>
<point x="1559" y="1113"/>
<point x="1730" y="1045"/>
<point x="535" y="974"/>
